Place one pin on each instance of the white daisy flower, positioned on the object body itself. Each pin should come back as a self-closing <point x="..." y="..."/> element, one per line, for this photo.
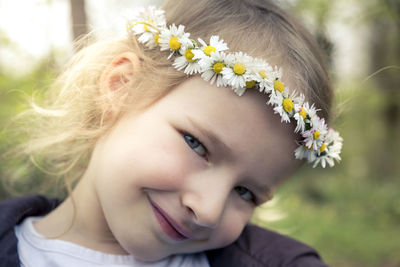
<point x="315" y="137"/>
<point x="302" y="116"/>
<point x="149" y="39"/>
<point x="273" y="81"/>
<point x="186" y="61"/>
<point x="147" y="23"/>
<point x="212" y="67"/>
<point x="252" y="80"/>
<point x="330" y="150"/>
<point x="310" y="110"/>
<point x="142" y="20"/>
<point x="277" y="73"/>
<point x="205" y="51"/>
<point x="276" y="78"/>
<point x="333" y="139"/>
<point x="313" y="120"/>
<point x="174" y="39"/>
<point x="215" y="45"/>
<point x="323" y="158"/>
<point x="275" y="98"/>
<point x="284" y="104"/>
<point x="237" y="71"/>
<point x="300" y="123"/>
<point x="199" y="55"/>
<point x="304" y="153"/>
<point x="263" y="77"/>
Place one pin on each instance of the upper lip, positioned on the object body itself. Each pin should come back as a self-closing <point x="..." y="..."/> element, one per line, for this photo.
<point x="178" y="227"/>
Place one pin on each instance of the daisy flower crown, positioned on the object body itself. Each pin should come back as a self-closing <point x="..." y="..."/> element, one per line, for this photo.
<point x="319" y="144"/>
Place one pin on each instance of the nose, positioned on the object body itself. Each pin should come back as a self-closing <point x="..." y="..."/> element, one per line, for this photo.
<point x="206" y="200"/>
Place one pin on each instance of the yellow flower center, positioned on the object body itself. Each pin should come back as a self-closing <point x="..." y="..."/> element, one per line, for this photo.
<point x="309" y="148"/>
<point x="217" y="67"/>
<point x="316" y="134"/>
<point x="189" y="55"/>
<point x="174" y="43"/>
<point x="239" y="69"/>
<point x="322" y="148"/>
<point x="278" y="85"/>
<point x="262" y="74"/>
<point x="287" y="104"/>
<point x="303" y="113"/>
<point x="208" y="49"/>
<point x="250" y="84"/>
<point x="156" y="37"/>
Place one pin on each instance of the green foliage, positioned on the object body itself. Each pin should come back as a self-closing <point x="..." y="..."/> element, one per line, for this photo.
<point x="350" y="213"/>
<point x="16" y="93"/>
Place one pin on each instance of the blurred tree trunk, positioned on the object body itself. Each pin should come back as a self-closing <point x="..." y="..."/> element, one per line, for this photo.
<point x="385" y="53"/>
<point x="385" y="50"/>
<point x="78" y="16"/>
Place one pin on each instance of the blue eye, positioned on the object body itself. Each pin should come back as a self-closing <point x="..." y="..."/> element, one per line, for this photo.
<point x="245" y="193"/>
<point x="196" y="145"/>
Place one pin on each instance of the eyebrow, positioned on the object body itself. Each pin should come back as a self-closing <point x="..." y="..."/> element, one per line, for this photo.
<point x="213" y="137"/>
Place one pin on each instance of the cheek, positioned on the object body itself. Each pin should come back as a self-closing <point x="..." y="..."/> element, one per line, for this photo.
<point x="141" y="159"/>
<point x="164" y="160"/>
<point x="231" y="226"/>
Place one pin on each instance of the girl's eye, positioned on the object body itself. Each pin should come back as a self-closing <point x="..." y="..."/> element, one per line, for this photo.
<point x="196" y="145"/>
<point x="245" y="193"/>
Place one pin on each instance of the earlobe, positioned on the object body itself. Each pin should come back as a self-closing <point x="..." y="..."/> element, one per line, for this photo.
<point x="121" y="71"/>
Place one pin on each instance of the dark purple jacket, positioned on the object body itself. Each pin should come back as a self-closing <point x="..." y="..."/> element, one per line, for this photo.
<point x="255" y="247"/>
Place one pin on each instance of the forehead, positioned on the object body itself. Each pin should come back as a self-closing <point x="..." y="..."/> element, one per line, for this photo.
<point x="255" y="140"/>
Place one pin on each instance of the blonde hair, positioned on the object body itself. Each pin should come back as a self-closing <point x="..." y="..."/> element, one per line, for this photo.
<point x="65" y="128"/>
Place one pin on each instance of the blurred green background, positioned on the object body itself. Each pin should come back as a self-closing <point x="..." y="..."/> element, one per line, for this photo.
<point x="350" y="213"/>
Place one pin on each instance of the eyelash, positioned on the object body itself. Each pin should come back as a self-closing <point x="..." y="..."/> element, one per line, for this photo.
<point x="190" y="139"/>
<point x="252" y="198"/>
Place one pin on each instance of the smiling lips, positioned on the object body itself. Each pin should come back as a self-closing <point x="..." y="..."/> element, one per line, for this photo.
<point x="168" y="225"/>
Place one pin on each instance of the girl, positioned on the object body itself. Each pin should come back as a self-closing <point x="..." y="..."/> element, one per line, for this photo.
<point x="172" y="152"/>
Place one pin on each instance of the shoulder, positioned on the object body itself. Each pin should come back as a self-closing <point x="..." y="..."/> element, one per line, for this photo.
<point x="12" y="212"/>
<point x="261" y="247"/>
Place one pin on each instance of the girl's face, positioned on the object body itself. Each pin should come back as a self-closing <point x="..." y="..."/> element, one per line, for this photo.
<point x="186" y="174"/>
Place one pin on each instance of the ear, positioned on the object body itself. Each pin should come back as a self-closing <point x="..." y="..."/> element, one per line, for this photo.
<point x="121" y="71"/>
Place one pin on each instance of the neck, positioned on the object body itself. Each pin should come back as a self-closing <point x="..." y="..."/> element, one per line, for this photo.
<point x="80" y="220"/>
